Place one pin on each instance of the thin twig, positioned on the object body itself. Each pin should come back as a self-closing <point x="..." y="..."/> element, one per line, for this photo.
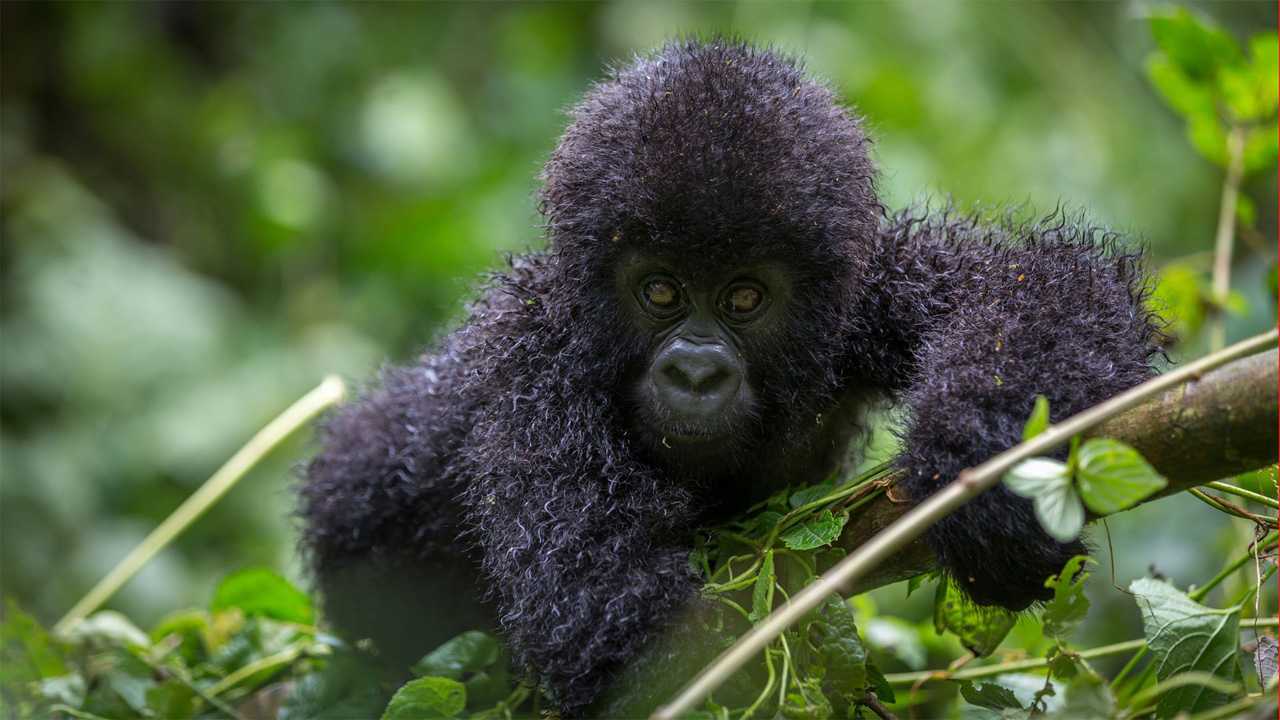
<point x="968" y="484"/>
<point x="1225" y="236"/>
<point x="327" y="393"/>
<point x="877" y="707"/>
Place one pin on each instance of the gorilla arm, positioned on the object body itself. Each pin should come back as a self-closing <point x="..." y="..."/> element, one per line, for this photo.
<point x="979" y="319"/>
<point x="587" y="551"/>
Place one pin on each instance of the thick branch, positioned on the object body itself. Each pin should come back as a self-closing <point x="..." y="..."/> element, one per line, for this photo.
<point x="1223" y="424"/>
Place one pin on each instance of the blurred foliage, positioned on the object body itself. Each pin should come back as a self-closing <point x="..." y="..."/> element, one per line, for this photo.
<point x="206" y="207"/>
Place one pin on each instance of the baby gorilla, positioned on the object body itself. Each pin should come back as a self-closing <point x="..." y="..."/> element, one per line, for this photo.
<point x="721" y="298"/>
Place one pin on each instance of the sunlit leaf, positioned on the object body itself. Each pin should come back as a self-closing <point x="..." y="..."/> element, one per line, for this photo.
<point x="1060" y="512"/>
<point x="1113" y="476"/>
<point x="1039" y="420"/>
<point x="1033" y="476"/>
<point x="1069" y="606"/>
<point x="259" y="591"/>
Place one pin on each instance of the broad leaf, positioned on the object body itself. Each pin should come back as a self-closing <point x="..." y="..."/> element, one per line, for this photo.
<point x="1059" y="510"/>
<point x="842" y="646"/>
<point x="1112" y="476"/>
<point x="468" y="652"/>
<point x="814" y="532"/>
<point x="428" y="697"/>
<point x="259" y="591"/>
<point x="1187" y="636"/>
<point x="1032" y="477"/>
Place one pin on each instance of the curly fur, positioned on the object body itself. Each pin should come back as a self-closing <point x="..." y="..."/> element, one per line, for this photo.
<point x="509" y="450"/>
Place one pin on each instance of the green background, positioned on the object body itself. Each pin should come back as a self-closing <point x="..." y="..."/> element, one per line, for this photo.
<point x="206" y="207"/>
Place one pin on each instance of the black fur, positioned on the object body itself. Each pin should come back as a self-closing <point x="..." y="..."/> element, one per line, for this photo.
<point x="510" y="447"/>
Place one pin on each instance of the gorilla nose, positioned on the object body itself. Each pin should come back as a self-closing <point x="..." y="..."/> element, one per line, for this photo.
<point x="695" y="380"/>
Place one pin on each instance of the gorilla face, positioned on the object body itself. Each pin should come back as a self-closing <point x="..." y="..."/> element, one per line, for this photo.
<point x="697" y="393"/>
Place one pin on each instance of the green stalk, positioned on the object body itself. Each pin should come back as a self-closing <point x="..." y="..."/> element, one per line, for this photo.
<point x="327" y="393"/>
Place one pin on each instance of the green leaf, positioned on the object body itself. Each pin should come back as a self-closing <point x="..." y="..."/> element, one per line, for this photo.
<point x="1187" y="636"/>
<point x="1197" y="47"/>
<point x="842" y="647"/>
<point x="1265" y="49"/>
<point x="68" y="689"/>
<point x="1273" y="281"/>
<point x="1060" y="511"/>
<point x="1113" y="476"/>
<point x="1039" y="420"/>
<point x="468" y="652"/>
<point x="811" y="494"/>
<point x="762" y="592"/>
<point x="1087" y="697"/>
<point x="880" y="683"/>
<point x="1180" y="297"/>
<point x="1069" y="606"/>
<point x="988" y="695"/>
<point x="261" y="592"/>
<point x="344" y="689"/>
<point x="1034" y="476"/>
<point x="814" y="532"/>
<point x="428" y="697"/>
<point x="979" y="629"/>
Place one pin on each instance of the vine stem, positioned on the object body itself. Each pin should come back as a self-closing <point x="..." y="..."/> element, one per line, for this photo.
<point x="913" y="524"/>
<point x="329" y="392"/>
<point x="1225" y="236"/>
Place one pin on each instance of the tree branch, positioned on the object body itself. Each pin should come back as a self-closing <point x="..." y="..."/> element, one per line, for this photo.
<point x="1221" y="425"/>
<point x="889" y="542"/>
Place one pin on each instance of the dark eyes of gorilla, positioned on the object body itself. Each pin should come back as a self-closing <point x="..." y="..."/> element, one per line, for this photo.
<point x="661" y="294"/>
<point x="742" y="300"/>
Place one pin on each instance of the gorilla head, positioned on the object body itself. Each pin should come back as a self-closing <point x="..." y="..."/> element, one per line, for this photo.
<point x="710" y="207"/>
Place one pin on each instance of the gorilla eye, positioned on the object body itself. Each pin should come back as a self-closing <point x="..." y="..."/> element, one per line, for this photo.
<point x="742" y="300"/>
<point x="661" y="294"/>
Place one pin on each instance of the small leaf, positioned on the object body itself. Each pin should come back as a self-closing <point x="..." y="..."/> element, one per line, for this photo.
<point x="427" y="697"/>
<point x="811" y="494"/>
<point x="1112" y="476"/>
<point x="468" y="652"/>
<point x="988" y="695"/>
<point x="979" y="629"/>
<point x="877" y="680"/>
<point x="261" y="592"/>
<point x="1266" y="659"/>
<point x="814" y="532"/>
<point x="1031" y="477"/>
<point x="1060" y="512"/>
<point x="1069" y="606"/>
<point x="1039" y="420"/>
<point x="1187" y="636"/>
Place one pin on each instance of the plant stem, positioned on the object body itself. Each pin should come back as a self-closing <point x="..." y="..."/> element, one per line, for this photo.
<point x="968" y="484"/>
<point x="1230" y="489"/>
<point x="1199" y="593"/>
<point x="1225" y="236"/>
<point x="327" y="393"/>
